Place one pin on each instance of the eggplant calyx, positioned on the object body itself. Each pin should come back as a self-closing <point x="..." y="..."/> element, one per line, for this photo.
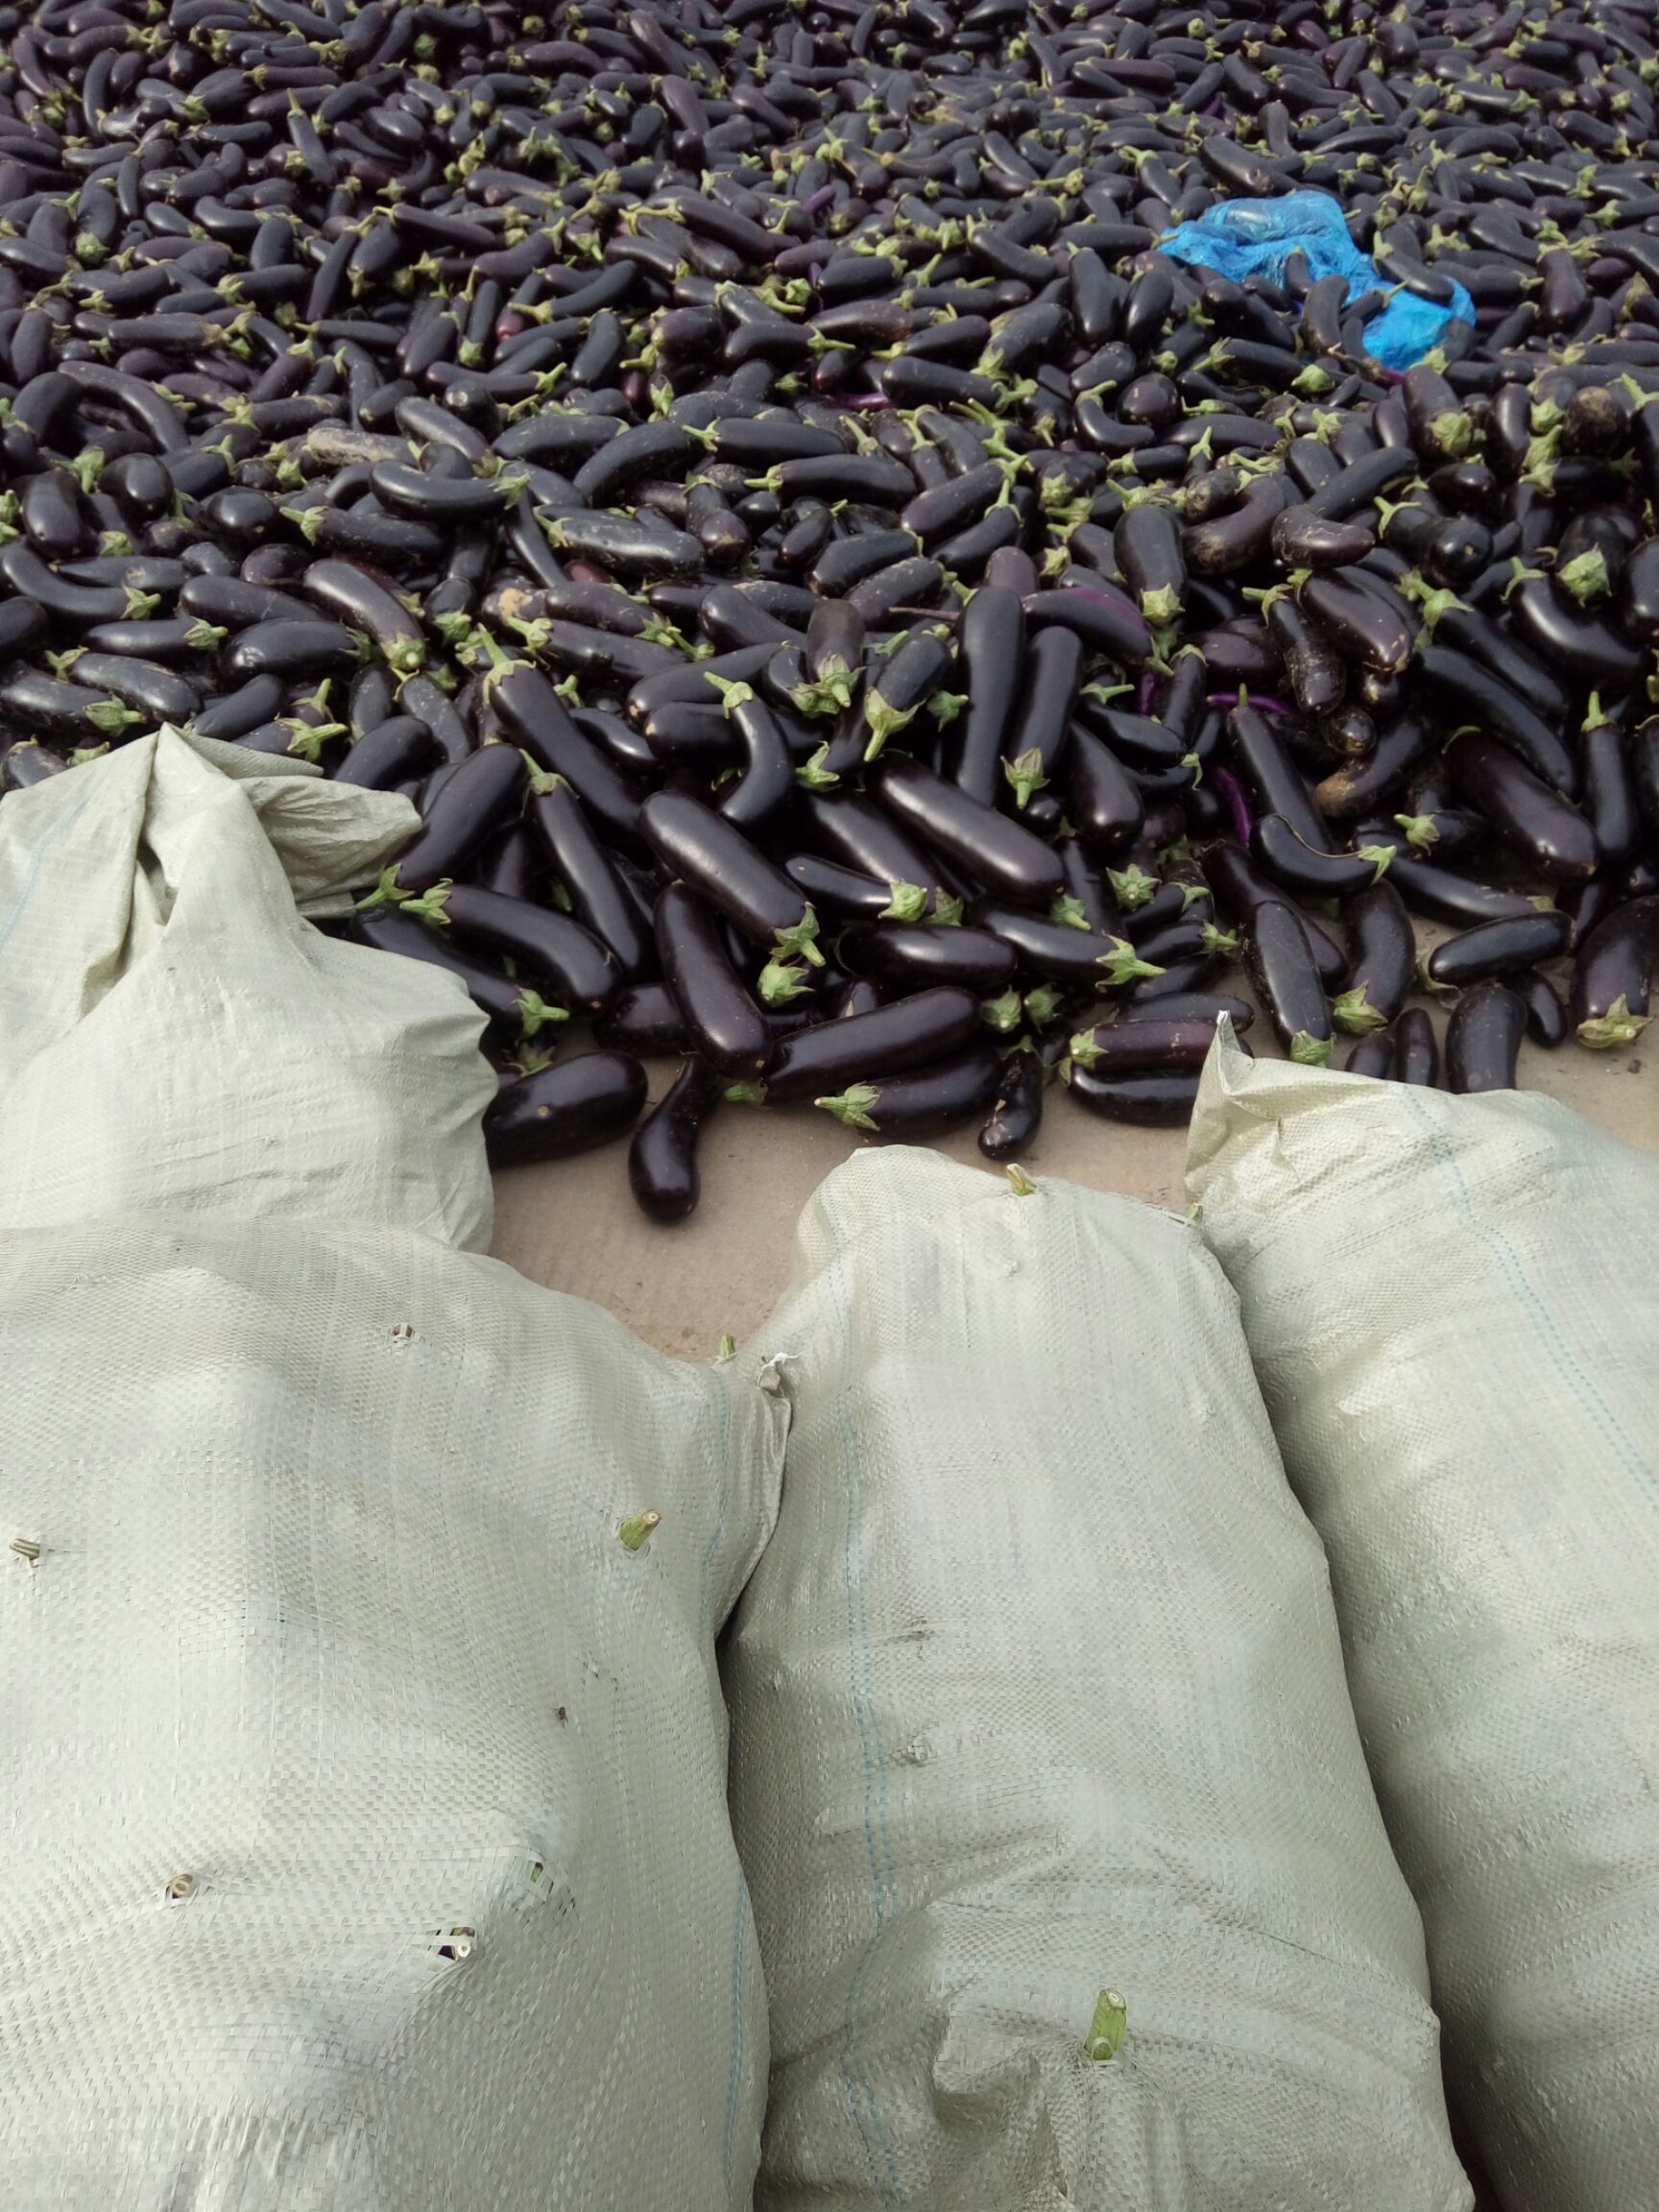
<point x="1354" y="1014"/>
<point x="1309" y="1052"/>
<point x="536" y="1014"/>
<point x="731" y="694"/>
<point x="1426" y="981"/>
<point x="1001" y="1014"/>
<point x="1131" y="886"/>
<point x="429" y="907"/>
<point x="1125" y="965"/>
<point x="1082" y="1051"/>
<point x="852" y="1106"/>
<point x="744" y="1094"/>
<point x="1107" y="2028"/>
<point x="883" y="721"/>
<point x="946" y="706"/>
<point x="1019" y="1184"/>
<point x="1162" y="608"/>
<point x="1068" y="913"/>
<point x="908" y="903"/>
<point x="799" y="941"/>
<point x="1042" y="1004"/>
<point x="814" y="775"/>
<point x="1025" y="773"/>
<point x="1618" y="1026"/>
<point x="782" y="982"/>
<point x="635" y="1530"/>
<point x="1379" y="855"/>
<point x="1217" y="940"/>
<point x="1585" y="576"/>
<point x="1421" y="830"/>
<point x="947" y="910"/>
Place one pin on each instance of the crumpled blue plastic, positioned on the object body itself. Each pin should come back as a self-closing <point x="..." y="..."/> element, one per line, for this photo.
<point x="1256" y="237"/>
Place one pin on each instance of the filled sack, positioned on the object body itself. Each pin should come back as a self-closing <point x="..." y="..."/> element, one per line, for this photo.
<point x="1453" y="1304"/>
<point x="367" y="1845"/>
<point x="1071" y="1883"/>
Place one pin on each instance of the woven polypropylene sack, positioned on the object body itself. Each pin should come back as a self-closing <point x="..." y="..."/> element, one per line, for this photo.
<point x="173" y="1032"/>
<point x="1453" y="1308"/>
<point x="1037" y="1694"/>
<point x="365" y="1846"/>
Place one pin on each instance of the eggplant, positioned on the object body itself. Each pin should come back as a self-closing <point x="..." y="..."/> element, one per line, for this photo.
<point x="891" y="1040"/>
<point x="916" y="954"/>
<point x="580" y="862"/>
<point x="1373" y="1055"/>
<point x="1552" y="837"/>
<point x="1415" y="1053"/>
<point x="1007" y="858"/>
<point x="721" y="1019"/>
<point x="1017" y="1111"/>
<point x="570" y="1107"/>
<point x="515" y="1013"/>
<point x="1382" y="957"/>
<point x="484" y="791"/>
<point x="1062" y="954"/>
<point x="1153" y="1101"/>
<point x="1152" y="1045"/>
<point x="1612" y="976"/>
<point x="662" y="1157"/>
<point x="1299" y="868"/>
<point x="1483" y="1039"/>
<point x="1498" y="948"/>
<point x="646" y="1020"/>
<point x="1286" y="982"/>
<point x="551" y="948"/>
<point x="718" y="861"/>
<point x="921" y="1103"/>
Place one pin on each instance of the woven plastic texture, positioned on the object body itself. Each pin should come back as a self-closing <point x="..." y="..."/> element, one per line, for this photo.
<point x="1453" y="1308"/>
<point x="1037" y="1694"/>
<point x="366" y="1844"/>
<point x="246" y="1062"/>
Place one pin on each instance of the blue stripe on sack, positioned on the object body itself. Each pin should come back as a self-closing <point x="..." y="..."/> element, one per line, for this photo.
<point x="862" y="2098"/>
<point x="1533" y="1304"/>
<point x="36" y="860"/>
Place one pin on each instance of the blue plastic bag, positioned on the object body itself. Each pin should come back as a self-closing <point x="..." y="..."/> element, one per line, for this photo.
<point x="1256" y="237"/>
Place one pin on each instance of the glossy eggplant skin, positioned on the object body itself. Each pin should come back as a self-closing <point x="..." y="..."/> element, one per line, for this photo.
<point x="1287" y="983"/>
<point x="721" y="1019"/>
<point x="1551" y="836"/>
<point x="486" y="790"/>
<point x="1144" y="1047"/>
<point x="1382" y="954"/>
<point x="570" y="1107"/>
<point x="1483" y="1039"/>
<point x="699" y="844"/>
<point x="993" y="642"/>
<point x="915" y="953"/>
<point x="554" y="950"/>
<point x="892" y="1040"/>
<point x="1612" y="976"/>
<point x="644" y="1020"/>
<point x="662" y="1157"/>
<point x="1500" y="947"/>
<point x="1007" y="858"/>
<point x="1153" y="1101"/>
<point x="921" y="1102"/>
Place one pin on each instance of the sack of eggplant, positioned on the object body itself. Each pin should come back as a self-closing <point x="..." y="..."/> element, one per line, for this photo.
<point x="849" y="609"/>
<point x="366" y="1815"/>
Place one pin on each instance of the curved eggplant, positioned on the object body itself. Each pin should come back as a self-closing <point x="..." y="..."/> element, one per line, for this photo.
<point x="1009" y="859"/>
<point x="570" y="1107"/>
<point x="1383" y="956"/>
<point x="1553" y="837"/>
<point x="1416" y="1054"/>
<point x="662" y="1157"/>
<point x="1017" y="1112"/>
<point x="719" y="862"/>
<point x="551" y="947"/>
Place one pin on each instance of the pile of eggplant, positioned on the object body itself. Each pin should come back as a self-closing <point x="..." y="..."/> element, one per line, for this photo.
<point x="851" y="612"/>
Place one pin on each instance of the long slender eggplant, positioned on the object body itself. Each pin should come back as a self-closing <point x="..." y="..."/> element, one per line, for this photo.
<point x="938" y="1098"/>
<point x="719" y="862"/>
<point x="1499" y="948"/>
<point x="1150" y="1101"/>
<point x="1007" y="858"/>
<point x="550" y="946"/>
<point x="892" y="1040"/>
<point x="1382" y="956"/>
<point x="485" y="790"/>
<point x="1612" y="976"/>
<point x="1287" y="983"/>
<point x="1416" y="1053"/>
<point x="1552" y="837"/>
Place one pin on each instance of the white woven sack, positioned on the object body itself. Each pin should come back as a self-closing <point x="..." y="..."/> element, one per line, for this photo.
<point x="365" y="1846"/>
<point x="1037" y="1694"/>
<point x="1453" y="1308"/>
